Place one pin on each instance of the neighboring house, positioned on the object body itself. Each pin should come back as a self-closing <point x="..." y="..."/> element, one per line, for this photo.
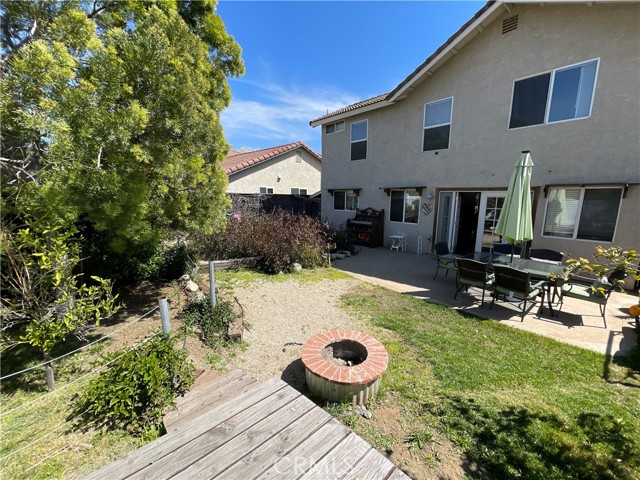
<point x="287" y="169"/>
<point x="559" y="79"/>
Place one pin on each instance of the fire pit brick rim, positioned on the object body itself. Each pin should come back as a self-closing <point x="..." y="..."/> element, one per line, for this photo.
<point x="366" y="372"/>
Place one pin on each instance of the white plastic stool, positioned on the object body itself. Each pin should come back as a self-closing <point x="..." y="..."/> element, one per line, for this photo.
<point x="399" y="242"/>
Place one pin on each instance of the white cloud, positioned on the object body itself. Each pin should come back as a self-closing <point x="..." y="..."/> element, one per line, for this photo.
<point x="278" y="114"/>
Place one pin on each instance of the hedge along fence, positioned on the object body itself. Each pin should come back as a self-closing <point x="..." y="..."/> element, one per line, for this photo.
<point x="276" y="240"/>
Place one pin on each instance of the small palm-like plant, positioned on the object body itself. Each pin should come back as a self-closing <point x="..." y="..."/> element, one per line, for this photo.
<point x="605" y="261"/>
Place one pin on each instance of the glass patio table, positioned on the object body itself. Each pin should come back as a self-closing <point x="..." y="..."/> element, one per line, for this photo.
<point x="549" y="272"/>
<point x="537" y="269"/>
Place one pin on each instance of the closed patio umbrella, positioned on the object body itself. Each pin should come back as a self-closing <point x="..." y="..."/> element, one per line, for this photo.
<point x="515" y="222"/>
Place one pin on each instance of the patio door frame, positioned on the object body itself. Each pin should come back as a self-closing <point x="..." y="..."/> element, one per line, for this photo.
<point x="454" y="214"/>
<point x="484" y="192"/>
<point x="482" y="214"/>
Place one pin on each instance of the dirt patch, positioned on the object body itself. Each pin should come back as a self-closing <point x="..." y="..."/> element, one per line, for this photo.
<point x="282" y="316"/>
<point x="140" y="317"/>
<point x="438" y="459"/>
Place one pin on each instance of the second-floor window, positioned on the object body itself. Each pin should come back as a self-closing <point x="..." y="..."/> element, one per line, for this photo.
<point x="437" y="125"/>
<point x="359" y="136"/>
<point x="334" y="127"/>
<point x="298" y="191"/>
<point x="562" y="94"/>
<point x="345" y="200"/>
<point x="266" y="189"/>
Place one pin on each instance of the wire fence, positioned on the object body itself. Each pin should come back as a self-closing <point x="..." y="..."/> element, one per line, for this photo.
<point x="49" y="395"/>
<point x="101" y="339"/>
<point x="68" y="421"/>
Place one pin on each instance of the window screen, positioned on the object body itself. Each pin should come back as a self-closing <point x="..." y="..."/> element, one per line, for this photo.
<point x="529" y="101"/>
<point x="599" y="214"/>
<point x="437" y="125"/>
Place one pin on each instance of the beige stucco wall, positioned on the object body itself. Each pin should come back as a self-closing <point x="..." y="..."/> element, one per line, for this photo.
<point x="295" y="169"/>
<point x="602" y="148"/>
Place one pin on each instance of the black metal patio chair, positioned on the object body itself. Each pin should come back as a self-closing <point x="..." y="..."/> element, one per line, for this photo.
<point x="514" y="283"/>
<point x="472" y="273"/>
<point x="598" y="292"/>
<point x="546" y="254"/>
<point x="442" y="249"/>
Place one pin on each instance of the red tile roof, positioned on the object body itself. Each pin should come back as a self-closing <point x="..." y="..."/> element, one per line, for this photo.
<point x="237" y="161"/>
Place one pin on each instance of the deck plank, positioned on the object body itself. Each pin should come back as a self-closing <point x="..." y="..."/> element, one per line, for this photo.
<point x="372" y="466"/>
<point x="185" y="455"/>
<point x="398" y="474"/>
<point x="340" y="460"/>
<point x="164" y="445"/>
<point x="266" y="431"/>
<point x="203" y="403"/>
<point x="198" y="388"/>
<point x="308" y="453"/>
<point x="278" y="447"/>
<point x="217" y="462"/>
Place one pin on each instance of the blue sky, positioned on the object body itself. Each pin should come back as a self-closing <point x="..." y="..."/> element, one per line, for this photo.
<point x="304" y="58"/>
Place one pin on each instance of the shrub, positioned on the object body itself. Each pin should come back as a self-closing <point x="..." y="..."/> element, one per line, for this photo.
<point x="135" y="389"/>
<point x="176" y="260"/>
<point x="276" y="240"/>
<point x="213" y="322"/>
<point x="155" y="259"/>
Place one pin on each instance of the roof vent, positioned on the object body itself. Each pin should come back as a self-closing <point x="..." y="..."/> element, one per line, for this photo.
<point x="509" y="24"/>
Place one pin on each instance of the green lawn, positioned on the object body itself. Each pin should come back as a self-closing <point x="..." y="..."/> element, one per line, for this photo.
<point x="39" y="438"/>
<point x="517" y="404"/>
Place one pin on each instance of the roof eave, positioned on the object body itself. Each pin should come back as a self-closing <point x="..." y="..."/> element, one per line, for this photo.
<point x="350" y="113"/>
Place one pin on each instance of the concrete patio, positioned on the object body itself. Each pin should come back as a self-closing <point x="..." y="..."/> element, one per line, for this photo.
<point x="579" y="323"/>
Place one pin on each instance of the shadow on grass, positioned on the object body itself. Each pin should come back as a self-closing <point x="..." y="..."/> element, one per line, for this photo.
<point x="519" y="443"/>
<point x="137" y="300"/>
<point x="24" y="356"/>
<point x="630" y="362"/>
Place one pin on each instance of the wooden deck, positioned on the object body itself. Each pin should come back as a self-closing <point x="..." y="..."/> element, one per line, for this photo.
<point x="237" y="428"/>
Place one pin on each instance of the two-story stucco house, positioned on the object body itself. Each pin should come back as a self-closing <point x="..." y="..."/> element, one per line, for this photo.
<point x="559" y="79"/>
<point x="292" y="169"/>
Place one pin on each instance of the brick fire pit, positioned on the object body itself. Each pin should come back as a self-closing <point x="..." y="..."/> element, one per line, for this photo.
<point x="344" y="365"/>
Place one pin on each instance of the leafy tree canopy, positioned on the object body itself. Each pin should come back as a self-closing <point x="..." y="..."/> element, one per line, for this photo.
<point x="110" y="114"/>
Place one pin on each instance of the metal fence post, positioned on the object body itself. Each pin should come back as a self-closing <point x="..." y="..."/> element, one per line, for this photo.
<point x="164" y="315"/>
<point x="212" y="285"/>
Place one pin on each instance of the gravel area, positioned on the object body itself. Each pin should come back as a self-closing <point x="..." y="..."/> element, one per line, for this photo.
<point x="282" y="316"/>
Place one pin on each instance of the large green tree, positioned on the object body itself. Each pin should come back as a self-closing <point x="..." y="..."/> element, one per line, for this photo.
<point x="110" y="115"/>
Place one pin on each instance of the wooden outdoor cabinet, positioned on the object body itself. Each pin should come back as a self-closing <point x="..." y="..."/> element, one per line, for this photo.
<point x="367" y="228"/>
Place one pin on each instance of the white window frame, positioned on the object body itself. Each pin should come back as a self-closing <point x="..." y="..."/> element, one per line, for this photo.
<point x="266" y="190"/>
<point x="306" y="191"/>
<point x="550" y="92"/>
<point x="404" y="203"/>
<point x="579" y="213"/>
<point x="337" y="127"/>
<point x="424" y="119"/>
<point x="344" y="192"/>
<point x="365" y="139"/>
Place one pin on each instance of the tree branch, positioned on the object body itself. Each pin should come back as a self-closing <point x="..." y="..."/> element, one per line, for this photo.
<point x="11" y="52"/>
<point x="95" y="11"/>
